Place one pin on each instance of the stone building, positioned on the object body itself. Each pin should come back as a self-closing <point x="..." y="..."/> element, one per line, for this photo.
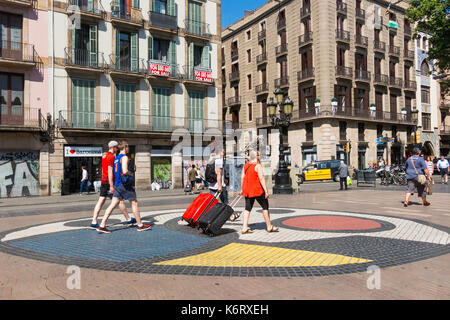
<point x="353" y="52"/>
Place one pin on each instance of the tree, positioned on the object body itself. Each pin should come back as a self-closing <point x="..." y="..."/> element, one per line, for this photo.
<point x="432" y="17"/>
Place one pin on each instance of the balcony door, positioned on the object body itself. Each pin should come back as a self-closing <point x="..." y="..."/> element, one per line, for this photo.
<point x="83" y="104"/>
<point x="195" y="17"/>
<point x="11" y="35"/>
<point x="161" y="109"/>
<point x="11" y="99"/>
<point x="127" y="51"/>
<point x="84" y="45"/>
<point x="195" y="111"/>
<point x="125" y="106"/>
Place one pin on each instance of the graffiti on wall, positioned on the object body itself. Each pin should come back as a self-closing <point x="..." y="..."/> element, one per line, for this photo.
<point x="161" y="169"/>
<point x="19" y="174"/>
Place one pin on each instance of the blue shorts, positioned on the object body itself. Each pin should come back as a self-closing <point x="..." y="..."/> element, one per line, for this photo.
<point x="443" y="171"/>
<point x="124" y="193"/>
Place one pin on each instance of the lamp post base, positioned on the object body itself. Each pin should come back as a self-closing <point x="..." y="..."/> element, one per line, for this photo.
<point x="283" y="183"/>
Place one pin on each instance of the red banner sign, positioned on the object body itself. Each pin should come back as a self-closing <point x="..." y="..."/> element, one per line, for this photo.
<point x="204" y="76"/>
<point x="159" y="70"/>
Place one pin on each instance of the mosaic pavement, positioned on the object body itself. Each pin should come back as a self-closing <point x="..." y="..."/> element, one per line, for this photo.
<point x="310" y="243"/>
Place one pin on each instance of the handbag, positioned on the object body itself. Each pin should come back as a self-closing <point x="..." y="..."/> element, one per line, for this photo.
<point x="420" y="177"/>
<point x="429" y="189"/>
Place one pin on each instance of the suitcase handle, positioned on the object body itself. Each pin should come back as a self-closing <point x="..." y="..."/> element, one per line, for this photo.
<point x="216" y="196"/>
<point x="235" y="201"/>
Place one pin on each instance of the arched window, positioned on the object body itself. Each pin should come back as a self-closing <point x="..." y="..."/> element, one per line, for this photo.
<point x="424" y="69"/>
<point x="419" y="42"/>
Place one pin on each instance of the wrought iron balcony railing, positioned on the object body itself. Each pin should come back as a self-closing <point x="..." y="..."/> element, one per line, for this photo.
<point x="362" y="75"/>
<point x="341" y="7"/>
<point x="410" y="85"/>
<point x="122" y="15"/>
<point x="234" y="101"/>
<point x="261" y="58"/>
<point x="281" y="49"/>
<point x="197" y="28"/>
<point x="305" y="11"/>
<point x="342" y="35"/>
<point x="162" y="20"/>
<point x="281" y="82"/>
<point x="94" y="7"/>
<point x="84" y="58"/>
<point x="18" y="51"/>
<point x="379" y="46"/>
<point x="305" y="38"/>
<point x="361" y="40"/>
<point x="395" y="82"/>
<point x="126" y="64"/>
<point x="262" y="35"/>
<point x="234" y="76"/>
<point x="262" y="88"/>
<point x="381" y="79"/>
<point x="394" y="50"/>
<point x="18" y="116"/>
<point x="342" y="71"/>
<point x="360" y="14"/>
<point x="305" y="74"/>
<point x="409" y="54"/>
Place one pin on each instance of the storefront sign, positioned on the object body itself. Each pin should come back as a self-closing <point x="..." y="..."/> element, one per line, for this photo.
<point x="159" y="69"/>
<point x="203" y="76"/>
<point x="323" y="174"/>
<point x="72" y="152"/>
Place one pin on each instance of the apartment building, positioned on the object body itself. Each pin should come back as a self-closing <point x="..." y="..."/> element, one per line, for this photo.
<point x="444" y="123"/>
<point x="24" y="85"/>
<point x="134" y="70"/>
<point x="348" y="66"/>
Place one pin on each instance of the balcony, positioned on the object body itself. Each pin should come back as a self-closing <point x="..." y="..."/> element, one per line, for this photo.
<point x="163" y="21"/>
<point x="127" y="67"/>
<point x="163" y="69"/>
<point x="395" y="82"/>
<point x="341" y="8"/>
<point x="381" y="80"/>
<point x="410" y="85"/>
<point x="343" y="36"/>
<point x="281" y="82"/>
<point x="92" y="9"/>
<point x="262" y="88"/>
<point x="281" y="24"/>
<point x="234" y="54"/>
<point x="17" y="54"/>
<point x="344" y="72"/>
<point x="360" y="14"/>
<point x="81" y="59"/>
<point x="305" y="12"/>
<point x="305" y="39"/>
<point x="408" y="30"/>
<point x="18" y="118"/>
<point x="104" y="121"/>
<point x="197" y="29"/>
<point x="262" y="58"/>
<point x="234" y="76"/>
<point x="362" y="75"/>
<point x="19" y="3"/>
<point x="394" y="51"/>
<point x="122" y="18"/>
<point x="408" y="55"/>
<point x="444" y="130"/>
<point x="234" y="101"/>
<point x="261" y="35"/>
<point x="281" y="50"/>
<point x="361" y="41"/>
<point x="305" y="75"/>
<point x="198" y="75"/>
<point x="344" y="113"/>
<point x="379" y="46"/>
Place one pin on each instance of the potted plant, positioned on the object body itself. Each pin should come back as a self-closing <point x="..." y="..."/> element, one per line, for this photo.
<point x="106" y="123"/>
<point x="404" y="111"/>
<point x="317" y="105"/>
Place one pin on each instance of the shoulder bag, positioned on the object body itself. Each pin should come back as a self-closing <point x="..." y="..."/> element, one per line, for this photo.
<point x="420" y="177"/>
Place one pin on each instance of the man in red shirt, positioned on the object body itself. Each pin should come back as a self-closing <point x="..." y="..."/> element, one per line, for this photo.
<point x="107" y="185"/>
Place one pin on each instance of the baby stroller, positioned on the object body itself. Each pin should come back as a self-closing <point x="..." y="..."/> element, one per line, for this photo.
<point x="188" y="188"/>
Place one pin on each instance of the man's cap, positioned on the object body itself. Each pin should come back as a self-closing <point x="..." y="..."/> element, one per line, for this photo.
<point x="112" y="144"/>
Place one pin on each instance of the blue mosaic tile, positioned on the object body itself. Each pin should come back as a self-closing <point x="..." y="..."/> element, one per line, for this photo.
<point x="119" y="246"/>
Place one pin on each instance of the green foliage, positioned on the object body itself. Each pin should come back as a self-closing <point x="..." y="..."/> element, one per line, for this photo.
<point x="432" y="17"/>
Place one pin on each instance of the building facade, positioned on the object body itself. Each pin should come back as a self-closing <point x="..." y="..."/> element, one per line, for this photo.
<point x="444" y="123"/>
<point x="24" y="88"/>
<point x="353" y="53"/>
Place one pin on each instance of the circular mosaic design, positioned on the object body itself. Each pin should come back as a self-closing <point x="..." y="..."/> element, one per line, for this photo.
<point x="309" y="243"/>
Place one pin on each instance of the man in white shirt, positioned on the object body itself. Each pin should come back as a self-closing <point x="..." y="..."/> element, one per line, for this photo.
<point x="84" y="180"/>
<point x="442" y="166"/>
<point x="221" y="187"/>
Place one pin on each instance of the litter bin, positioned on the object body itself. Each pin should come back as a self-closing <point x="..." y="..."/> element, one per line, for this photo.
<point x="366" y="177"/>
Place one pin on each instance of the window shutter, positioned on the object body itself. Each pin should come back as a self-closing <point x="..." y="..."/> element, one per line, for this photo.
<point x="90" y="5"/>
<point x="171" y="7"/>
<point x="150" y="48"/>
<point x="93" y="45"/>
<point x="366" y="99"/>
<point x="191" y="60"/>
<point x="117" y="62"/>
<point x="356" y="98"/>
<point x="73" y="44"/>
<point x="153" y="8"/>
<point x="173" y="57"/>
<point x="205" y="57"/>
<point x="134" y="52"/>
<point x="136" y="4"/>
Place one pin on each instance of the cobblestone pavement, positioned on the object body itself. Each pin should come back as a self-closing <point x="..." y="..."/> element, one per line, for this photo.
<point x="327" y="242"/>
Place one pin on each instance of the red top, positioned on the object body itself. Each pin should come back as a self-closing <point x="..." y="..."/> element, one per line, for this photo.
<point x="252" y="186"/>
<point x="107" y="161"/>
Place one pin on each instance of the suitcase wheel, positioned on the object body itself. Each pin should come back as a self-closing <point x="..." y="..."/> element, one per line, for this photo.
<point x="211" y="235"/>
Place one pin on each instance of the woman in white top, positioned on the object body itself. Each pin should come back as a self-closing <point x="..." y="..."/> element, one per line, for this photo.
<point x="430" y="167"/>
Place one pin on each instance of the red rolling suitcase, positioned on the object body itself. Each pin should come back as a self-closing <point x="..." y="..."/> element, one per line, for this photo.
<point x="201" y="204"/>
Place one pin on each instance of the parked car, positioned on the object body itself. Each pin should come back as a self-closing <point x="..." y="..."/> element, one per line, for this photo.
<point x="320" y="170"/>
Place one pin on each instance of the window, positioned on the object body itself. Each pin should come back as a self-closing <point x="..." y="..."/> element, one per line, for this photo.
<point x="249" y="34"/>
<point x="342" y="130"/>
<point x="309" y="131"/>
<point x="11" y="36"/>
<point x="426" y="121"/>
<point x="379" y="130"/>
<point x="161" y="6"/>
<point x="161" y="109"/>
<point x="425" y="95"/>
<point x="249" y="55"/>
<point x="11" y="99"/>
<point x="249" y="81"/>
<point x="424" y="69"/>
<point x="195" y="111"/>
<point x="83" y="103"/>
<point x="160" y="49"/>
<point x="126" y="51"/>
<point x="250" y="112"/>
<point x="361" y="131"/>
<point x="125" y="106"/>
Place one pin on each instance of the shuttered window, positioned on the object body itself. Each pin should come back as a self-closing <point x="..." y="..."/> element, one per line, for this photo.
<point x="125" y="106"/>
<point x="195" y="111"/>
<point x="83" y="103"/>
<point x="161" y="109"/>
<point x="195" y="17"/>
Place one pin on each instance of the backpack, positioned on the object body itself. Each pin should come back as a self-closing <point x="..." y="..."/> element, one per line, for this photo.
<point x="210" y="172"/>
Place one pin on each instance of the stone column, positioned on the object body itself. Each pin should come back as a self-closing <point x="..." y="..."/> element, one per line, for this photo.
<point x="177" y="170"/>
<point x="44" y="171"/>
<point x="56" y="157"/>
<point x="143" y="174"/>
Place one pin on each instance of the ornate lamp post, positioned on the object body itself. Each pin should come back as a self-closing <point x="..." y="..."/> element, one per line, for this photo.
<point x="282" y="178"/>
<point x="415" y="119"/>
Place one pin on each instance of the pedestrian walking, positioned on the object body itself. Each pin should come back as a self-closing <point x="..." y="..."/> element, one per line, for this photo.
<point x="430" y="167"/>
<point x="198" y="178"/>
<point x="192" y="174"/>
<point x="442" y="166"/>
<point x="107" y="185"/>
<point x="123" y="189"/>
<point x="254" y="188"/>
<point x="416" y="170"/>
<point x="343" y="174"/>
<point x="215" y="176"/>
<point x="84" y="180"/>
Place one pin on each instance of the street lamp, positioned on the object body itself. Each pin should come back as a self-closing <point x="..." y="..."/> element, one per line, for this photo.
<point x="282" y="178"/>
<point x="415" y="119"/>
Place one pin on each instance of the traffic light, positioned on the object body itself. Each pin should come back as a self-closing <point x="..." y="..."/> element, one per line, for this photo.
<point x="348" y="147"/>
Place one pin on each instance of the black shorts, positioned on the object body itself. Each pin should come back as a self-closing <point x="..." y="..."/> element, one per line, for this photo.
<point x="104" y="190"/>
<point x="263" y="202"/>
<point x="443" y="171"/>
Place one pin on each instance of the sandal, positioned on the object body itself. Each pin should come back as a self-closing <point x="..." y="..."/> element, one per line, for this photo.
<point x="273" y="229"/>
<point x="234" y="217"/>
<point x="247" y="231"/>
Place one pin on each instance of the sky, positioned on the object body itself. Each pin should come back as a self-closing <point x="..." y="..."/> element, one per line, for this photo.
<point x="233" y="10"/>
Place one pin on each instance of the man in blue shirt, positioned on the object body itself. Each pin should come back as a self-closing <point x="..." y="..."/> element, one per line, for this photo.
<point x="416" y="166"/>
